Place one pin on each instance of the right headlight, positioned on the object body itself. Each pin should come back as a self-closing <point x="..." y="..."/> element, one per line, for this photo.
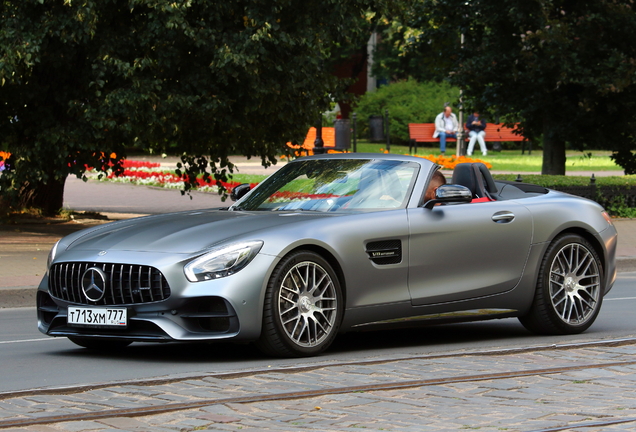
<point x="222" y="262"/>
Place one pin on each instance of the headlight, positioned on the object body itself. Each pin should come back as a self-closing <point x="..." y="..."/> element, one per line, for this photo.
<point x="52" y="253"/>
<point x="222" y="262"/>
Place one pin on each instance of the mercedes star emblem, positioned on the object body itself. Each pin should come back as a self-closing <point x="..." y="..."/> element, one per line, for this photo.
<point x="94" y="284"/>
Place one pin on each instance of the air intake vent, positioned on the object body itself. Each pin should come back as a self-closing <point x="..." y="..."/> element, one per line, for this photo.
<point x="124" y="283"/>
<point x="385" y="252"/>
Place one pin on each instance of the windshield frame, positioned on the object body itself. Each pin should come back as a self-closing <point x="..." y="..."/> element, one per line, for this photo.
<point x="325" y="176"/>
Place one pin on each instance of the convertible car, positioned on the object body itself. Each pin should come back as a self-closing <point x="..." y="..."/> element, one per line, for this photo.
<point x="335" y="243"/>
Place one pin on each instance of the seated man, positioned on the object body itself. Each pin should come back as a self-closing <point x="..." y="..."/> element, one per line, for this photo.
<point x="446" y="126"/>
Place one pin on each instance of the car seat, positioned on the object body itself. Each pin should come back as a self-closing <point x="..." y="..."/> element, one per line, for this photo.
<point x="476" y="177"/>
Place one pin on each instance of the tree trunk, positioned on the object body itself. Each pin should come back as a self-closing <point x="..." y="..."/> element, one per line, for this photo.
<point x="49" y="196"/>
<point x="553" y="151"/>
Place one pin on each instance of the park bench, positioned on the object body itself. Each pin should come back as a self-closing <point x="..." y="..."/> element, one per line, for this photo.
<point x="495" y="132"/>
<point x="328" y="138"/>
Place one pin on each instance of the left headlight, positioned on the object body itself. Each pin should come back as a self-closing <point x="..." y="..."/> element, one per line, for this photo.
<point x="222" y="262"/>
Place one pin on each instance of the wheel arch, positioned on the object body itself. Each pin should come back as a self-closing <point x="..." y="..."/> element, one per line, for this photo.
<point x="331" y="259"/>
<point x="591" y="238"/>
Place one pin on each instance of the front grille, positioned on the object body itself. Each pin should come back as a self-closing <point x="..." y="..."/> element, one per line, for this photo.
<point x="125" y="283"/>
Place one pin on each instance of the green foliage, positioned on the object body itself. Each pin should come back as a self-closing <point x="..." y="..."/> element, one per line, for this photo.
<point x="564" y="69"/>
<point x="84" y="79"/>
<point x="610" y="191"/>
<point x="626" y="159"/>
<point x="618" y="207"/>
<point x="407" y="102"/>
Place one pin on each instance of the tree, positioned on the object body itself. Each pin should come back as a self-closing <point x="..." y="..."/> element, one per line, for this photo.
<point x="563" y="68"/>
<point x="83" y="81"/>
<point x="407" y="102"/>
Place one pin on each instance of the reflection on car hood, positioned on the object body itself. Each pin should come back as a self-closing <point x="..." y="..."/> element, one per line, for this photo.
<point x="184" y="232"/>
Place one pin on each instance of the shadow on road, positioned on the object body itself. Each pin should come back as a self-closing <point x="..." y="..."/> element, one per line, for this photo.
<point x="424" y="339"/>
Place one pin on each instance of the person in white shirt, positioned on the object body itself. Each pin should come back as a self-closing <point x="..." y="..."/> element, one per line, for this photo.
<point x="446" y="126"/>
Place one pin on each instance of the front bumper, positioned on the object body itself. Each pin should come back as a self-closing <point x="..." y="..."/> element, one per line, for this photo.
<point x="221" y="309"/>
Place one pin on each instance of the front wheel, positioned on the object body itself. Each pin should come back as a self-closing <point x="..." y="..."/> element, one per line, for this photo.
<point x="303" y="307"/>
<point x="569" y="289"/>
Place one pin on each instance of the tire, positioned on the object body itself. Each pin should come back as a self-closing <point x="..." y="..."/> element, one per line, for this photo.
<point x="303" y="307"/>
<point x="99" y="344"/>
<point x="569" y="289"/>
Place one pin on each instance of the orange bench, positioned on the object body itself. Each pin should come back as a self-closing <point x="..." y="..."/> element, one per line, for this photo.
<point x="495" y="132"/>
<point x="328" y="138"/>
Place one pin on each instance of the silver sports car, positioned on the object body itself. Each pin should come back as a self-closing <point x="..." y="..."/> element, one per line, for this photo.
<point x="331" y="244"/>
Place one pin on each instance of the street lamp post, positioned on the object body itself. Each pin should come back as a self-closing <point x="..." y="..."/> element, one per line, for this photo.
<point x="319" y="144"/>
<point x="386" y="127"/>
<point x="460" y="132"/>
<point x="355" y="132"/>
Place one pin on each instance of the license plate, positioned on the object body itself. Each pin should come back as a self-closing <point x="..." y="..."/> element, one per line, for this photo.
<point x="97" y="317"/>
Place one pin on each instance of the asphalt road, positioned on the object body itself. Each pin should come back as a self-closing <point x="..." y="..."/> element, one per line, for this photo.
<point x="106" y="197"/>
<point x="31" y="360"/>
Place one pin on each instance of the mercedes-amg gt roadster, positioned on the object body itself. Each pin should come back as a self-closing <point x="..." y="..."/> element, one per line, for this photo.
<point x="335" y="243"/>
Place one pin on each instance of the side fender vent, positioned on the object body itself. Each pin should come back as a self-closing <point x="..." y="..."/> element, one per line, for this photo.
<point x="385" y="252"/>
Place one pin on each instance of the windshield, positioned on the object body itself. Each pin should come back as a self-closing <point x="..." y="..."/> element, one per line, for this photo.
<point x="335" y="185"/>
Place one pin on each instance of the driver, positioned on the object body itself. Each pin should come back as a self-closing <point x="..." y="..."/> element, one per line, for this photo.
<point x="436" y="181"/>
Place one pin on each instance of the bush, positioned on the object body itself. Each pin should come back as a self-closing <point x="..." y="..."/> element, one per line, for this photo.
<point x="616" y="193"/>
<point x="407" y="102"/>
<point x="555" y="181"/>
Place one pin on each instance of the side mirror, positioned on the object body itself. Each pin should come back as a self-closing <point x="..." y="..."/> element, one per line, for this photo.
<point x="239" y="191"/>
<point x="450" y="194"/>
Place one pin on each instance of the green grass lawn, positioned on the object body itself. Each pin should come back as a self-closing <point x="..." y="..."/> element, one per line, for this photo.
<point x="513" y="160"/>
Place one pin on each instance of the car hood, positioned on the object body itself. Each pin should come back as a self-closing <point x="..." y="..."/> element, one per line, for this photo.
<point x="183" y="232"/>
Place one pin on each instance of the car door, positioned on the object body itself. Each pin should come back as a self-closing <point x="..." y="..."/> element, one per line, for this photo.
<point x="467" y="250"/>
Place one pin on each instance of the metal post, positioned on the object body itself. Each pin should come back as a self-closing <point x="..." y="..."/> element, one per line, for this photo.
<point x="355" y="133"/>
<point x="386" y="126"/>
<point x="460" y="132"/>
<point x="319" y="144"/>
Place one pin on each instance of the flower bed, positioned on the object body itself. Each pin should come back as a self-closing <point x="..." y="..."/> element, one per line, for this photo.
<point x="3" y="156"/>
<point x="151" y="174"/>
<point x="446" y="162"/>
<point x="147" y="174"/>
<point x="449" y="162"/>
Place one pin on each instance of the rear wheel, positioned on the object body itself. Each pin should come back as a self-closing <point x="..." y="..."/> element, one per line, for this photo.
<point x="569" y="289"/>
<point x="99" y="344"/>
<point x="303" y="307"/>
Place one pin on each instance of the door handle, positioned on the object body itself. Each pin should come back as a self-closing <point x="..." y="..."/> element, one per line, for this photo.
<point x="503" y="217"/>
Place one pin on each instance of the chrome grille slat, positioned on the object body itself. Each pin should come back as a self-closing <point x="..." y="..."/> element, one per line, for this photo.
<point x="124" y="285"/>
<point x="110" y="282"/>
<point x="129" y="285"/>
<point x="121" y="283"/>
<point x="139" y="292"/>
<point x="152" y="297"/>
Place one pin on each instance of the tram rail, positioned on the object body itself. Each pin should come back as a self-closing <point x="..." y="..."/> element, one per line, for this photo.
<point x="295" y="395"/>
